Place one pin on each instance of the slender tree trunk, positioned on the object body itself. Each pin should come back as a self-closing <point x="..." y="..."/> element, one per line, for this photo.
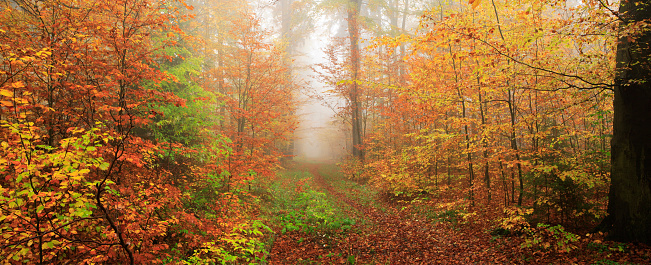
<point x="286" y="23"/>
<point x="449" y="159"/>
<point x="484" y="142"/>
<point x="401" y="66"/>
<point x="355" y="103"/>
<point x="511" y="102"/>
<point x="514" y="144"/>
<point x="505" y="186"/>
<point x="471" y="173"/>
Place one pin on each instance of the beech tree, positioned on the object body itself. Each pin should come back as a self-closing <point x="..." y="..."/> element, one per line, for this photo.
<point x="110" y="145"/>
<point x="629" y="201"/>
<point x="355" y="103"/>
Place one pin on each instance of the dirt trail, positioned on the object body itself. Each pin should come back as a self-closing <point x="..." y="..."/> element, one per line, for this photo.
<point x="393" y="238"/>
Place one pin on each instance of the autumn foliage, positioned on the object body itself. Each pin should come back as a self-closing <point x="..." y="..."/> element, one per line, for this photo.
<point x="113" y="147"/>
<point x="149" y="131"/>
<point x="502" y="104"/>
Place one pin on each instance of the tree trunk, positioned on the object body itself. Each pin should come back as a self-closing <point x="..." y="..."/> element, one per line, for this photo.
<point x="484" y="142"/>
<point x="355" y="104"/>
<point x="462" y="99"/>
<point x="514" y="143"/>
<point x="629" y="206"/>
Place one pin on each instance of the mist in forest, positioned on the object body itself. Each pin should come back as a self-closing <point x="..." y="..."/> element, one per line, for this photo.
<point x="318" y="137"/>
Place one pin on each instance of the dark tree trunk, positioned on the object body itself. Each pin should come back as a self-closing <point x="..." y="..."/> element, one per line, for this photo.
<point x="629" y="206"/>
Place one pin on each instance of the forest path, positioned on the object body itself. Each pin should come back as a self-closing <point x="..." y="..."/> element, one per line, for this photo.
<point x="383" y="233"/>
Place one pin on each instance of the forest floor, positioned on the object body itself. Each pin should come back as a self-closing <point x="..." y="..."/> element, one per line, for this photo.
<point x="320" y="217"/>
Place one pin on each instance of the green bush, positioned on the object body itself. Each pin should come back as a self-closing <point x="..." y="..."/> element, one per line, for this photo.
<point x="310" y="212"/>
<point x="550" y="238"/>
<point x="301" y="208"/>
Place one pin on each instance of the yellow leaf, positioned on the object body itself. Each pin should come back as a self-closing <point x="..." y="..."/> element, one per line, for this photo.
<point x="6" y="93"/>
<point x="21" y="101"/>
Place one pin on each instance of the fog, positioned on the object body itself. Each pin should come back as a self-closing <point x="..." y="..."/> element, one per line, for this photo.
<point x="318" y="137"/>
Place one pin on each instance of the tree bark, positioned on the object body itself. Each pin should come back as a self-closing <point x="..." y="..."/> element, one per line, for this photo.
<point x="629" y="207"/>
<point x="355" y="104"/>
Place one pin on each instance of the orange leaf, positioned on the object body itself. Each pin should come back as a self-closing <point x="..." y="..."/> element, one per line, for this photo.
<point x="18" y="84"/>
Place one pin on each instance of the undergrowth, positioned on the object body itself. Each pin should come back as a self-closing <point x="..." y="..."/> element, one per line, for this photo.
<point x="361" y="192"/>
<point x="298" y="206"/>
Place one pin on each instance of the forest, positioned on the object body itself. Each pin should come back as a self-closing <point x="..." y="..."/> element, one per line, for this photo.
<point x="456" y="132"/>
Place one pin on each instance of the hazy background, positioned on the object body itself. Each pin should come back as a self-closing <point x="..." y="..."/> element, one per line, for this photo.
<point x="318" y="136"/>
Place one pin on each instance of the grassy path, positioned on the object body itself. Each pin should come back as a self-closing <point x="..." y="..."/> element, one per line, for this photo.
<point x="390" y="236"/>
<point x="380" y="234"/>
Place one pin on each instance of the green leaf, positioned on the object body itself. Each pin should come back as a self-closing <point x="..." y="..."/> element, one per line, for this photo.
<point x="104" y="166"/>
